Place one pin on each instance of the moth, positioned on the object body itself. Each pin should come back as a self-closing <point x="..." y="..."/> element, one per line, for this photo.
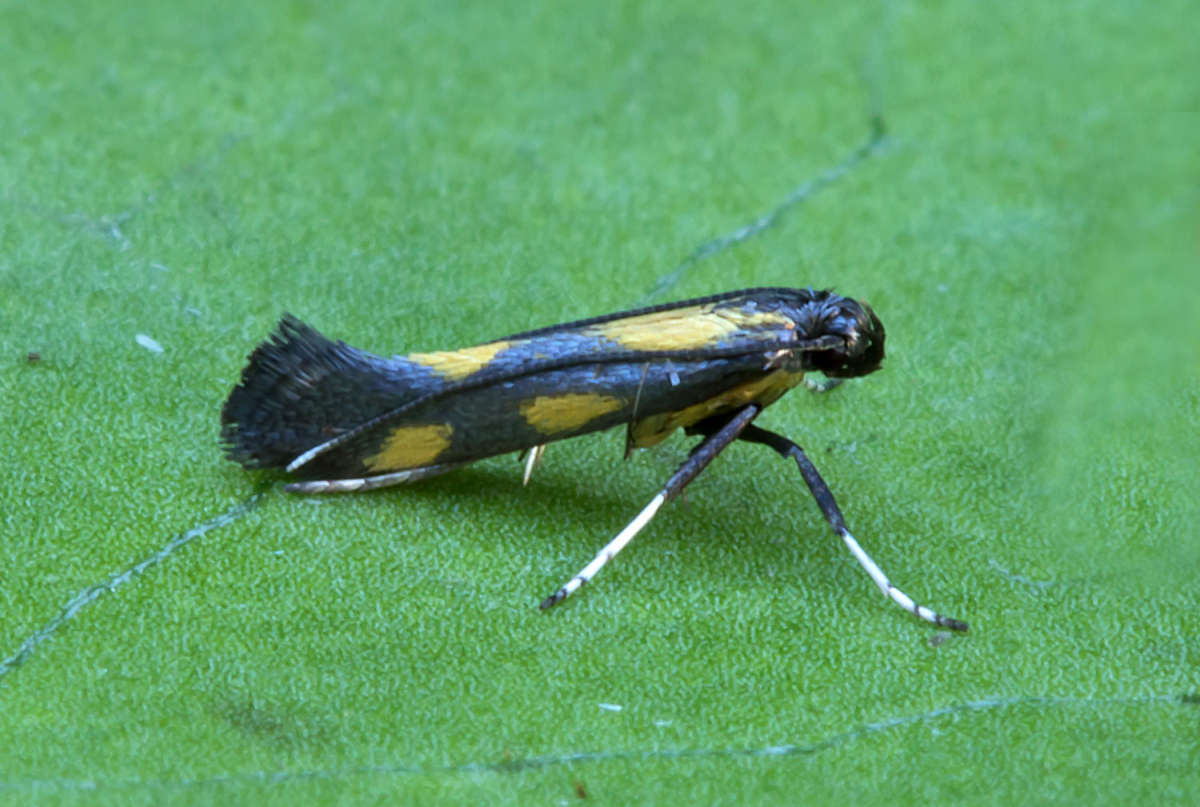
<point x="342" y="419"/>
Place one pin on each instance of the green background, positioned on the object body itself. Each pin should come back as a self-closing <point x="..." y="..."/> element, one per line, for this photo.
<point x="415" y="177"/>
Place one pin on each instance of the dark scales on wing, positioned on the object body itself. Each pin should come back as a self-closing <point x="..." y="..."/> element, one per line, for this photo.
<point x="366" y="415"/>
<point x="300" y="389"/>
<point x="355" y="421"/>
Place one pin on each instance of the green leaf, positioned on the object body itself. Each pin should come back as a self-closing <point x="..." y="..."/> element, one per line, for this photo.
<point x="424" y="176"/>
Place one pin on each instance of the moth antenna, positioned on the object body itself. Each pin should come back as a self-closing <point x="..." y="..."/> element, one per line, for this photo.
<point x="837" y="522"/>
<point x="892" y="592"/>
<point x="607" y="553"/>
<point x="699" y="459"/>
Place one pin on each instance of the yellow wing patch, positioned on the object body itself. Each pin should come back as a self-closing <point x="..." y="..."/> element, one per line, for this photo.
<point x="688" y="328"/>
<point x="455" y="365"/>
<point x="652" y="430"/>
<point x="411" y="447"/>
<point x="558" y="414"/>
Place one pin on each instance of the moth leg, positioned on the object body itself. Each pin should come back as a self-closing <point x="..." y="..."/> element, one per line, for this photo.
<point x="833" y="515"/>
<point x="822" y="386"/>
<point x="371" y="482"/>
<point x="533" y="458"/>
<point x="700" y="457"/>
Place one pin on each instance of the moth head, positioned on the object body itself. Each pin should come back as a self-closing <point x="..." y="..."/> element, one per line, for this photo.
<point x="851" y="336"/>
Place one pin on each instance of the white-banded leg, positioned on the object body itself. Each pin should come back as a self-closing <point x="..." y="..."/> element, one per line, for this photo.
<point x="700" y="457"/>
<point x="833" y="515"/>
<point x="371" y="482"/>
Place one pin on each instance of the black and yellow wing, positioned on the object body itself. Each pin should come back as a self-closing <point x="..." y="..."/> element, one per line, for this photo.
<point x="350" y="420"/>
<point x="323" y="409"/>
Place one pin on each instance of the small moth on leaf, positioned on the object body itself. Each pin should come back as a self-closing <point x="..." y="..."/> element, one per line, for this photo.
<point x="342" y="419"/>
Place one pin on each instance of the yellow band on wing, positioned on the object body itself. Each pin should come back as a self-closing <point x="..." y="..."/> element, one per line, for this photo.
<point x="411" y="447"/>
<point x="560" y="414"/>
<point x="456" y="365"/>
